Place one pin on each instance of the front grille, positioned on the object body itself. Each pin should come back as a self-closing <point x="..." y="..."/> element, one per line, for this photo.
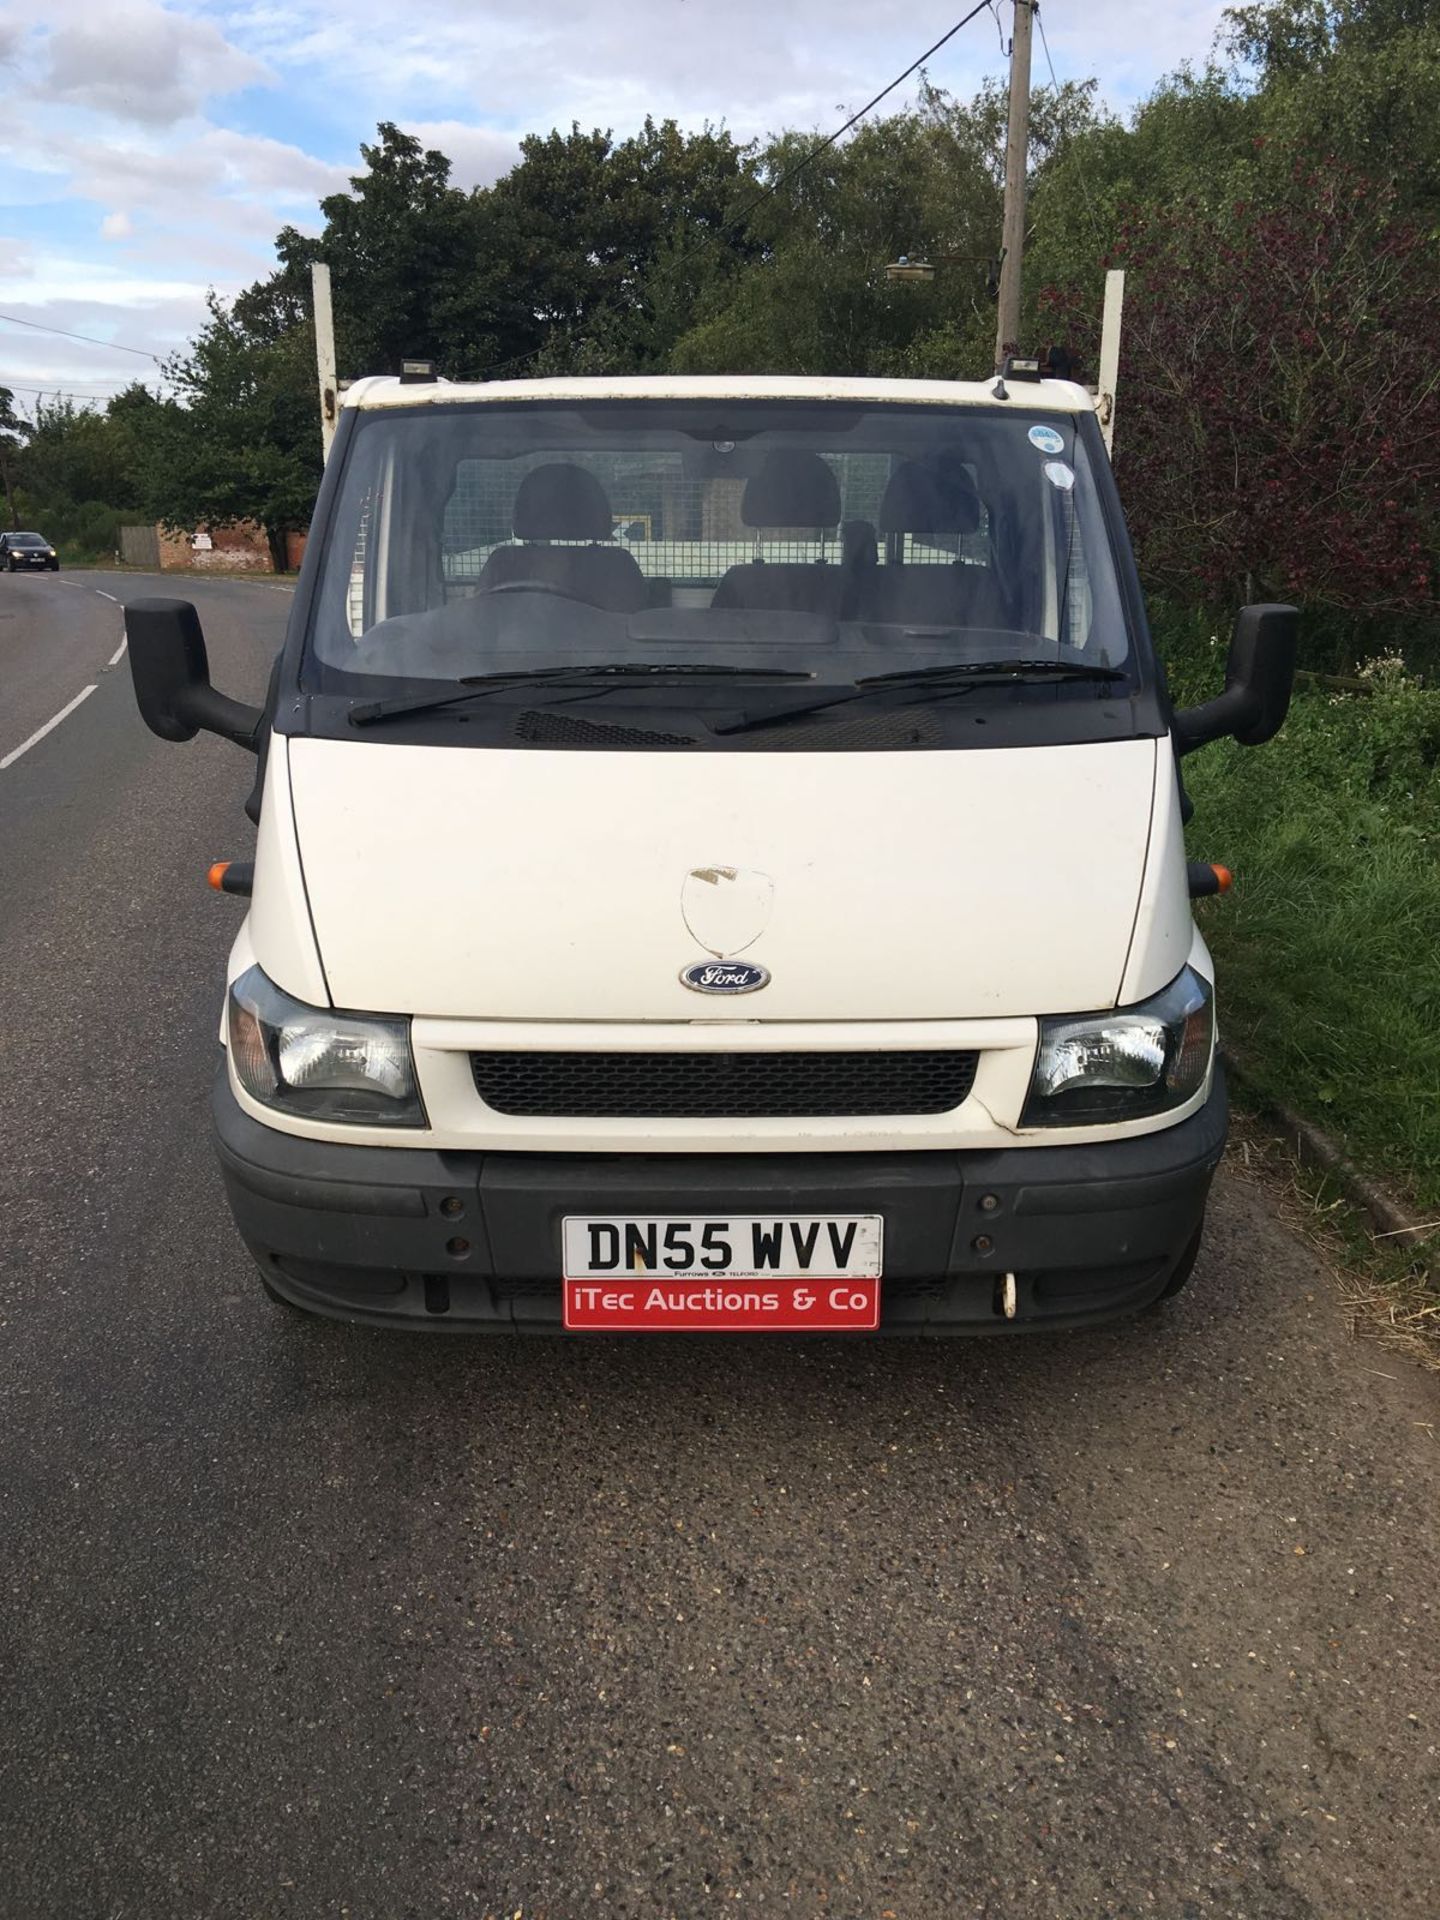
<point x="722" y="1086"/>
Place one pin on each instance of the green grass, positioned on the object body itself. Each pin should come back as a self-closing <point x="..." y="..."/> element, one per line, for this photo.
<point x="1328" y="949"/>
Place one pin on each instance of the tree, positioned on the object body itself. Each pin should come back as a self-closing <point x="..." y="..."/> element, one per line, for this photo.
<point x="588" y="246"/>
<point x="1275" y="218"/>
<point x="1282" y="395"/>
<point x="1353" y="81"/>
<point x="13" y="429"/>
<point x="243" y="442"/>
<point x="1191" y="144"/>
<point x="927" y="182"/>
<point x="609" y="246"/>
<point x="407" y="262"/>
<point x="76" y="457"/>
<point x="812" y="295"/>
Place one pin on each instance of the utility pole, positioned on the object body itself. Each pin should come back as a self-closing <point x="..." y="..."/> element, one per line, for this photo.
<point x="325" y="352"/>
<point x="1017" y="138"/>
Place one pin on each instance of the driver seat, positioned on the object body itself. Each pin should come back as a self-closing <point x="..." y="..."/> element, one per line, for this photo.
<point x="560" y="501"/>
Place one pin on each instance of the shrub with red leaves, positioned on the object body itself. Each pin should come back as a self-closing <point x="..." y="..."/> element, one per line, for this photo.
<point x="1278" y="412"/>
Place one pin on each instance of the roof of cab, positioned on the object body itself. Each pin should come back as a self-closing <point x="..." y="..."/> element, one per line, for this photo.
<point x="1051" y="396"/>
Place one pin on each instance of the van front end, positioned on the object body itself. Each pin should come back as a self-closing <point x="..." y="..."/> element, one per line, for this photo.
<point x="720" y="868"/>
<point x="969" y="1240"/>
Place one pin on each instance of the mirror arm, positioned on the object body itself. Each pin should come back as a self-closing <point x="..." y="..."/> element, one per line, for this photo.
<point x="215" y="712"/>
<point x="1195" y="727"/>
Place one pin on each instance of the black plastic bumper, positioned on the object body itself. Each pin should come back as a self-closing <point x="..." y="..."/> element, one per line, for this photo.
<point x="408" y="1236"/>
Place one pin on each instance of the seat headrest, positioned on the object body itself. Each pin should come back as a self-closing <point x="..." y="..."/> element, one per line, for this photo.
<point x="924" y="499"/>
<point x="793" y="489"/>
<point x="561" y="502"/>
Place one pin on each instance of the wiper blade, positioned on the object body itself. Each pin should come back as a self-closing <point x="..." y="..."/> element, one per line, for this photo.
<point x="1035" y="671"/>
<point x="937" y="683"/>
<point x="365" y="713"/>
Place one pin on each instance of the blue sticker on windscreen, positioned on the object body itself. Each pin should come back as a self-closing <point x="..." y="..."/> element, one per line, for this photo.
<point x="1047" y="439"/>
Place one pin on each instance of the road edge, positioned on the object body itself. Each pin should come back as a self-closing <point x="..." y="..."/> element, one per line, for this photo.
<point x="1389" y="1220"/>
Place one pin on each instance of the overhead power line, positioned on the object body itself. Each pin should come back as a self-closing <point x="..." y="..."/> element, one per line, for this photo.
<point x="820" y="147"/>
<point x="64" y="393"/>
<point x="90" y="339"/>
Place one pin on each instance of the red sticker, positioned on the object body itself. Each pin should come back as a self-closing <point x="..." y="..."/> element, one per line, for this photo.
<point x="722" y="1306"/>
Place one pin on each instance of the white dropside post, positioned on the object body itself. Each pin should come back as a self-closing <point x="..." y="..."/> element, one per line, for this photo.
<point x="1110" y="354"/>
<point x="325" y="353"/>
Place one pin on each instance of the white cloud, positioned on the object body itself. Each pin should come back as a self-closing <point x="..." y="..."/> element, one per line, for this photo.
<point x="265" y="169"/>
<point x="141" y="62"/>
<point x="753" y="65"/>
<point x="1125" y="47"/>
<point x="59" y="279"/>
<point x="226" y="181"/>
<point x="116" y="226"/>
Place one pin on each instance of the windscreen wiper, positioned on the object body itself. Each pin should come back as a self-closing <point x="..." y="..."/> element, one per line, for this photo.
<point x="937" y="682"/>
<point x="365" y="713"/>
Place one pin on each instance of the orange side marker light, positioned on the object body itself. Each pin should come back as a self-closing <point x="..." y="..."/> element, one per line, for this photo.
<point x="1224" y="879"/>
<point x="216" y="876"/>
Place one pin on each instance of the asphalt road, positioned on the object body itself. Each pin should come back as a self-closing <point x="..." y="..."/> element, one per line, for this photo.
<point x="305" y="1621"/>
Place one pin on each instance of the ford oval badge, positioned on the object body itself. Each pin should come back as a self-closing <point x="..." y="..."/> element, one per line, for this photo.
<point x="724" y="976"/>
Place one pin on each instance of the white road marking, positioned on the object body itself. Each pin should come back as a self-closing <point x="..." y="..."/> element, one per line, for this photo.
<point x="114" y="661"/>
<point x="49" y="727"/>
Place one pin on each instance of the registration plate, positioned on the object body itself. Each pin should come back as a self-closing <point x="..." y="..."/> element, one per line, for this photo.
<point x="739" y="1273"/>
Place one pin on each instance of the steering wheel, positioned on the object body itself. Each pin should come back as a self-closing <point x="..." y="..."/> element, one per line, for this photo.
<point x="540" y="586"/>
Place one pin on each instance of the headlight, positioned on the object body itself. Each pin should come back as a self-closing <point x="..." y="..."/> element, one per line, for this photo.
<point x="1125" y="1065"/>
<point x="321" y="1065"/>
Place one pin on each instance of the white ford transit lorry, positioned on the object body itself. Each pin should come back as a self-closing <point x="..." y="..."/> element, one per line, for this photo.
<point x="719" y="866"/>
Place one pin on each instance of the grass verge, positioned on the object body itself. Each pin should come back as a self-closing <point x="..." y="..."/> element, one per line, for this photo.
<point x="1328" y="948"/>
<point x="1387" y="1296"/>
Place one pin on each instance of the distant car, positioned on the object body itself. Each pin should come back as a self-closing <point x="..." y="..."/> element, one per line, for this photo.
<point x="27" y="550"/>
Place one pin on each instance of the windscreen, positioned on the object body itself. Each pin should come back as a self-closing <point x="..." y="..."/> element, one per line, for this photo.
<point x="829" y="542"/>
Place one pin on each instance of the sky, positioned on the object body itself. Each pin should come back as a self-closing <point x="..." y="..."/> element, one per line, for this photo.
<point x="151" y="152"/>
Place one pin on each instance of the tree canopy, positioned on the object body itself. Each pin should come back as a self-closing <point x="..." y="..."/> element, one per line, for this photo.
<point x="1276" y="211"/>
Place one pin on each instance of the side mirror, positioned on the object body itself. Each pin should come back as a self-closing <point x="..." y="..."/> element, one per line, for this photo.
<point x="1259" y="674"/>
<point x="171" y="675"/>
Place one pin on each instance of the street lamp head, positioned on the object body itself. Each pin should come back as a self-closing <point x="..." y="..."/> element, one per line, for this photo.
<point x="907" y="269"/>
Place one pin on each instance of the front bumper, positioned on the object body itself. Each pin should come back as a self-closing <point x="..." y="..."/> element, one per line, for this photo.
<point x="40" y="562"/>
<point x="411" y="1236"/>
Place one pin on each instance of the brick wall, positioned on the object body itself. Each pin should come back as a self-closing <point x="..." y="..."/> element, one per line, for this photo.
<point x="239" y="549"/>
